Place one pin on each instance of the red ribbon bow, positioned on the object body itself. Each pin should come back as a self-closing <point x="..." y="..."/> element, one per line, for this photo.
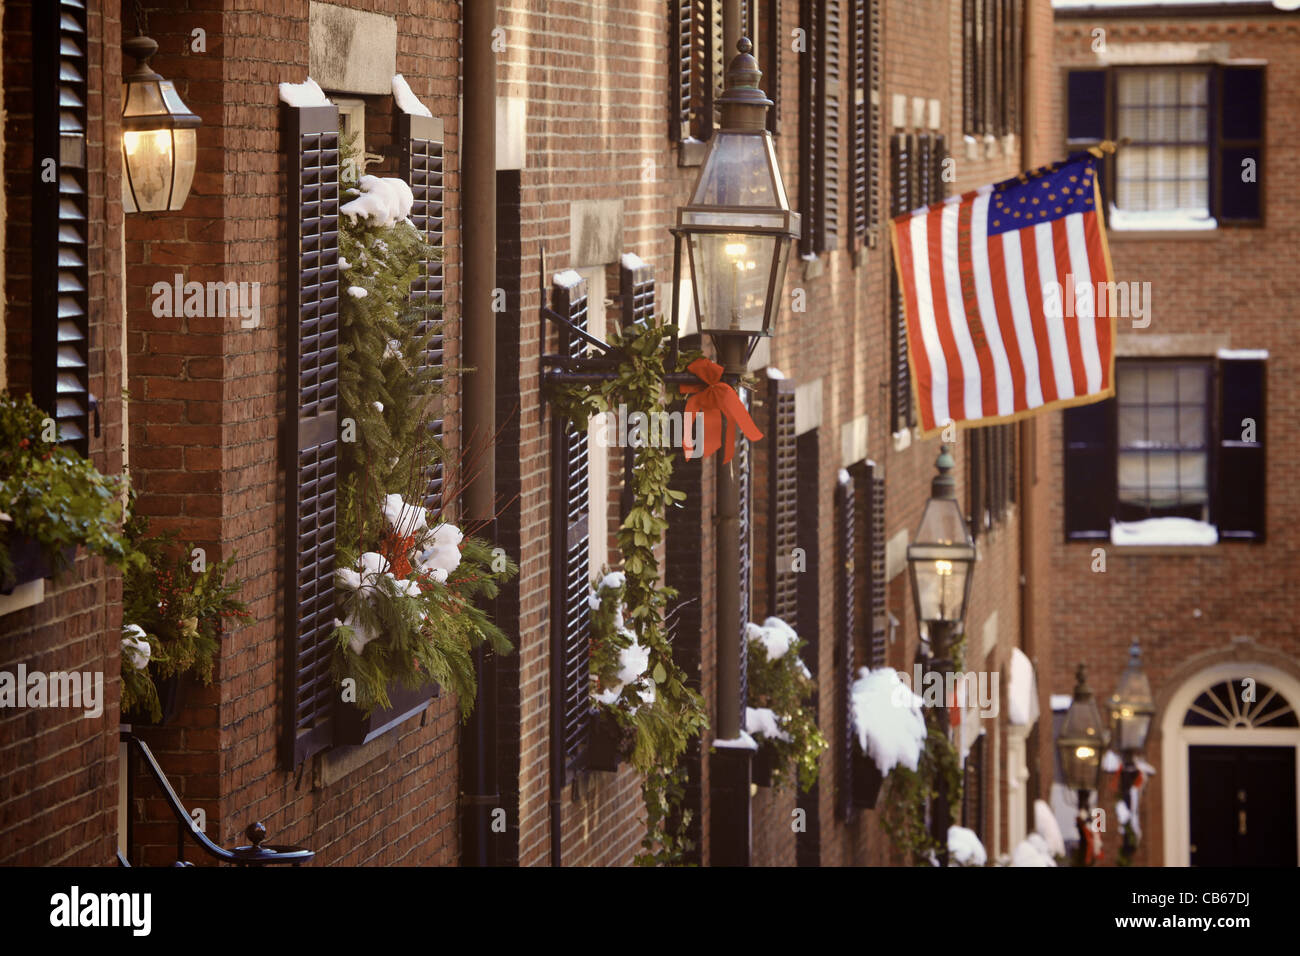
<point x="715" y="400"/>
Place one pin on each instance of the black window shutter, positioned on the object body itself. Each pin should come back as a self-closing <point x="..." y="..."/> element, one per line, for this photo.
<point x="1239" y="492"/>
<point x="939" y="189"/>
<point x="811" y="161"/>
<point x="717" y="66"/>
<point x="924" y="164"/>
<point x="312" y="136"/>
<point x="60" y="221"/>
<point x="1240" y="139"/>
<point x="1013" y="69"/>
<point x="972" y="804"/>
<point x="902" y="414"/>
<point x="783" y="501"/>
<point x="1090" y="470"/>
<point x="1086" y="92"/>
<point x="860" y="83"/>
<point x="846" y="624"/>
<point x="422" y="167"/>
<point x="968" y="67"/>
<point x="829" y="87"/>
<point x="875" y="130"/>
<point x="681" y="62"/>
<point x="976" y="453"/>
<point x="769" y="51"/>
<point x="570" y="543"/>
<point x="878" y="621"/>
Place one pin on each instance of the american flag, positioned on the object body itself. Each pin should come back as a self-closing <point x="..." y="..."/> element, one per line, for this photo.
<point x="999" y="286"/>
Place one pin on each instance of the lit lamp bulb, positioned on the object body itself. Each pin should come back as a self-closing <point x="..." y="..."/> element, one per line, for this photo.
<point x="736" y="250"/>
<point x="1085" y="753"/>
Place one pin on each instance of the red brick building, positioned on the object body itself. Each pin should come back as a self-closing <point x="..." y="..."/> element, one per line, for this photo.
<point x="1205" y="223"/>
<point x="603" y="114"/>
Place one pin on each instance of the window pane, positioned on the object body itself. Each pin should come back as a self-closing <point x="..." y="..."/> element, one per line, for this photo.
<point x="1162" y="385"/>
<point x="1191" y="385"/>
<point x="1132" y="88"/>
<point x="1192" y="469"/>
<point x="1132" y="425"/>
<point x="1191" y="426"/>
<point x="1130" y="382"/>
<point x="1192" y="88"/>
<point x="1133" y="477"/>
<point x="1162" y="426"/>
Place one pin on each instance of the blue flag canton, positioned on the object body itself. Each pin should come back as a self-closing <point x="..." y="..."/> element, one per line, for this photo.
<point x="1048" y="193"/>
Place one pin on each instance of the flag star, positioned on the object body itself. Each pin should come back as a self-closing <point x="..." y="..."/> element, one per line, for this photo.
<point x="1047" y="185"/>
<point x="1022" y="198"/>
<point x="1074" y="179"/>
<point x="1051" y="196"/>
<point x="1035" y="202"/>
<point x="997" y="222"/>
<point x="1058" y="208"/>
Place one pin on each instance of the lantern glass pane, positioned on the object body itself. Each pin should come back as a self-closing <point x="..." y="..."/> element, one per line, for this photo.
<point x="173" y="100"/>
<point x="940" y="588"/>
<point x="737" y="172"/>
<point x="186" y="146"/>
<point x="144" y="98"/>
<point x="942" y="524"/>
<point x="148" y="155"/>
<point x="731" y="272"/>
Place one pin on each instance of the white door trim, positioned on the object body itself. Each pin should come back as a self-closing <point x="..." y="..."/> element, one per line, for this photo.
<point x="1175" y="739"/>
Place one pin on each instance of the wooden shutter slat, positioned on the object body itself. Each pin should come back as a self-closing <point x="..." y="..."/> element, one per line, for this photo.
<point x="846" y="624"/>
<point x="902" y="412"/>
<point x="829" y="87"/>
<point x="810" y="158"/>
<point x="60" y="211"/>
<point x="313" y="362"/>
<point x="422" y="167"/>
<point x="570" y="503"/>
<point x="1240" y="471"/>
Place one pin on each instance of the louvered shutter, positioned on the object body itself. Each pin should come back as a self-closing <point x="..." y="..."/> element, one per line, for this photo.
<point x="846" y="625"/>
<point x="1090" y="470"/>
<point x="60" y="221"/>
<point x="1013" y="69"/>
<point x="968" y="67"/>
<point x="742" y="461"/>
<point x="976" y="452"/>
<point x="972" y="804"/>
<point x="1240" y="140"/>
<point x="939" y="189"/>
<point x="808" y="843"/>
<point x="770" y="57"/>
<point x="570" y="542"/>
<point x="1239" y="490"/>
<point x="422" y="161"/>
<point x="682" y="36"/>
<point x="811" y="161"/>
<point x="996" y="52"/>
<point x="875" y="126"/>
<point x="878" y="612"/>
<point x="783" y="501"/>
<point x="901" y="411"/>
<point x="1086" y="92"/>
<point x="829" y="87"/>
<point x="636" y="284"/>
<point x="312" y="425"/>
<point x="717" y="63"/>
<point x="924" y="179"/>
<point x="861" y="111"/>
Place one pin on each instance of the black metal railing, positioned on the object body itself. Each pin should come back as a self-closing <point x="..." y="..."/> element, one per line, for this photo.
<point x="138" y="754"/>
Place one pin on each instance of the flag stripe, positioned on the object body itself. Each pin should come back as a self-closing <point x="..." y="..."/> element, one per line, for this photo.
<point x="1085" y="318"/>
<point x="972" y="373"/>
<point x="1097" y="268"/>
<point x="1065" y="279"/>
<point x="1019" y="352"/>
<point x="1044" y="256"/>
<point x="979" y="329"/>
<point x="920" y="314"/>
<point x="1022" y="257"/>
<point x="939" y="299"/>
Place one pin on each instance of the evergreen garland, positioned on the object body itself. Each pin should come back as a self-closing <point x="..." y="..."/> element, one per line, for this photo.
<point x="663" y="727"/>
<point x="786" y="687"/>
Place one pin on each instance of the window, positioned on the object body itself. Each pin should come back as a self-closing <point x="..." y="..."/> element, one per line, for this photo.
<point x="1163" y="439"/>
<point x="991" y="67"/>
<point x="1183" y="438"/>
<point x="819" y="133"/>
<point x="1196" y="153"/>
<point x="1166" y="166"/>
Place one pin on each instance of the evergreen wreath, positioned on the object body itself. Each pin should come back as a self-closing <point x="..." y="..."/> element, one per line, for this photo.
<point x="410" y="583"/>
<point x="664" y="713"/>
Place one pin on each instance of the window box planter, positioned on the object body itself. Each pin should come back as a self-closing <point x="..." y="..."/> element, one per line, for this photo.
<point x="764" y="762"/>
<point x="867" y="780"/>
<point x="609" y="744"/>
<point x="353" y="728"/>
<point x="29" y="562"/>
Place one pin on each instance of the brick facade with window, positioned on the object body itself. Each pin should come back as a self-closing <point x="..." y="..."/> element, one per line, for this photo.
<point x="1201" y="93"/>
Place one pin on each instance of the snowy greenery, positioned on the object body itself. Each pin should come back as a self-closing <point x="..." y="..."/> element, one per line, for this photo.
<point x="410" y="584"/>
<point x="665" y="725"/>
<point x="780" y="694"/>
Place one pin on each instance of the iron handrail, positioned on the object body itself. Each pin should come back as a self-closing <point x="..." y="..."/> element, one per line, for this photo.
<point x="254" y="855"/>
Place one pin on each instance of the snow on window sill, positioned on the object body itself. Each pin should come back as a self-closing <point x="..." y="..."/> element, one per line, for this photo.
<point x="1163" y="533"/>
<point x="743" y="742"/>
<point x="1174" y="220"/>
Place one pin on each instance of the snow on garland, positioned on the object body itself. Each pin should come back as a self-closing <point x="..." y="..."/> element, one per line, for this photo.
<point x="780" y="712"/>
<point x="888" y="719"/>
<point x="965" y="848"/>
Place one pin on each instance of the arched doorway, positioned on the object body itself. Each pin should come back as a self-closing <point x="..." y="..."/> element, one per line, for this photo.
<point x="1230" y="737"/>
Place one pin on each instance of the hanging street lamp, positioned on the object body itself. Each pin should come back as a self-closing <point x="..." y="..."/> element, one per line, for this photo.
<point x="1131" y="710"/>
<point x="941" y="559"/>
<point x="738" y="228"/>
<point x="1080" y="744"/>
<point x="159" y="143"/>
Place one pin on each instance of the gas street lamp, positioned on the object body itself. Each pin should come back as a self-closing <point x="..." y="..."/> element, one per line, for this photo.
<point x="1080" y="744"/>
<point x="1131" y="710"/>
<point x="941" y="559"/>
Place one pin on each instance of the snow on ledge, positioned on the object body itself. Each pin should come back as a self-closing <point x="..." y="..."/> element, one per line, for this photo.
<point x="774" y="372"/>
<point x="631" y="261"/>
<point x="1175" y="532"/>
<point x="965" y="848"/>
<point x="1022" y="691"/>
<point x="743" y="742"/>
<point x="566" y="279"/>
<point x="1258" y="355"/>
<point x="407" y="101"/>
<point x="1061" y="701"/>
<point x="1173" y="220"/>
<point x="306" y="93"/>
